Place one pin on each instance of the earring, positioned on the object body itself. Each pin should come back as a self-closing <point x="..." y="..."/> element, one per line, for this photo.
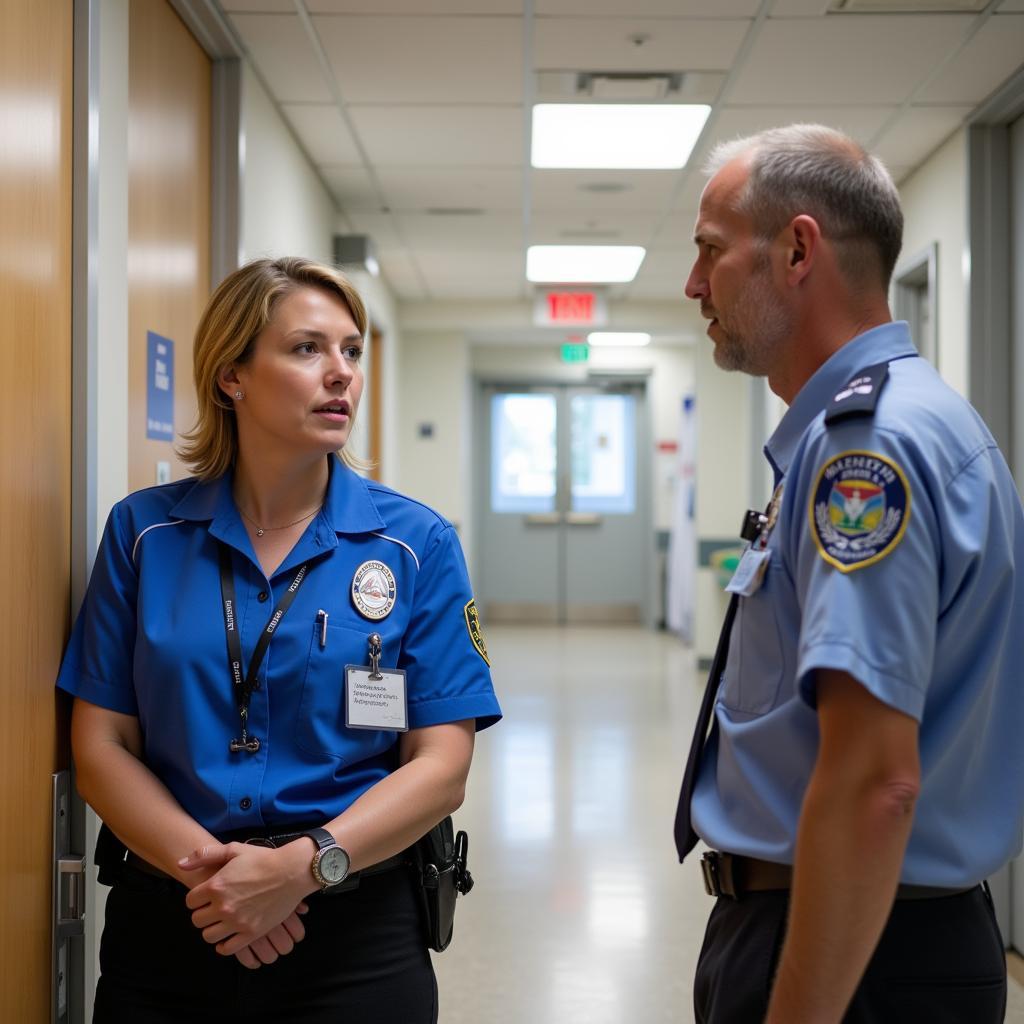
<point x="239" y="394"/>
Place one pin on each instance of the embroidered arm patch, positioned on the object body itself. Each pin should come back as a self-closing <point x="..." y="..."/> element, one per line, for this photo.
<point x="859" y="510"/>
<point x="475" y="633"/>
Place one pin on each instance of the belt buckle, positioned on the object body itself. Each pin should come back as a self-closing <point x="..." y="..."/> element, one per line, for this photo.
<point x="709" y="865"/>
<point x="719" y="878"/>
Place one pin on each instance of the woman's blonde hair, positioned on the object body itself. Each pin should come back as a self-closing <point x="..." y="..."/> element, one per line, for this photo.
<point x="237" y="312"/>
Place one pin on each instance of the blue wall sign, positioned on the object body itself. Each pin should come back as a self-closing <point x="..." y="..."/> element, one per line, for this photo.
<point x="159" y="387"/>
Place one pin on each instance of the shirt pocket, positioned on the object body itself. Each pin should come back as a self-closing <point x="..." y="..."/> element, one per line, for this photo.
<point x="320" y="727"/>
<point x="754" y="671"/>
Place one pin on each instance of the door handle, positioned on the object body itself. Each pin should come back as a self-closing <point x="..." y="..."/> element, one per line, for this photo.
<point x="543" y="519"/>
<point x="582" y="518"/>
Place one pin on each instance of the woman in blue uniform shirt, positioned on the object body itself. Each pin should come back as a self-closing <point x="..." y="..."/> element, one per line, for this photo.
<point x="223" y="666"/>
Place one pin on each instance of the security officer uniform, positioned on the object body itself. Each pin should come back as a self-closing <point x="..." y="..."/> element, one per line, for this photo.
<point x="150" y="641"/>
<point x="890" y="551"/>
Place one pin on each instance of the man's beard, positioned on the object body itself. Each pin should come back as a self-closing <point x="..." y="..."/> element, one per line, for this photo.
<point x="758" y="325"/>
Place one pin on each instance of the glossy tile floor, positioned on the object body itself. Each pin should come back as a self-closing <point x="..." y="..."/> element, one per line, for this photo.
<point x="581" y="913"/>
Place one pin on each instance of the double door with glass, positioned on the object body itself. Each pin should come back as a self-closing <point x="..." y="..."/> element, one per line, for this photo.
<point x="564" y="529"/>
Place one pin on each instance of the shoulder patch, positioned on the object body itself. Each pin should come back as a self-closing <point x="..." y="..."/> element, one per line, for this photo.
<point x="860" y="396"/>
<point x="475" y="633"/>
<point x="859" y="510"/>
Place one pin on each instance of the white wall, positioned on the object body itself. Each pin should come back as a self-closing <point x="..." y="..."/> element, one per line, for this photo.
<point x="286" y="211"/>
<point x="934" y="201"/>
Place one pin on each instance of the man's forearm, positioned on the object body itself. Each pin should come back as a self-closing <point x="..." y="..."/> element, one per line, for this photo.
<point x="850" y="846"/>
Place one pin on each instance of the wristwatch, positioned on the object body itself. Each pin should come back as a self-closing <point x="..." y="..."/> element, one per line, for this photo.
<point x="330" y="862"/>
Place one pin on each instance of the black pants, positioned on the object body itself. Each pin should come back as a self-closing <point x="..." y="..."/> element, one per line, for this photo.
<point x="363" y="961"/>
<point x="939" y="961"/>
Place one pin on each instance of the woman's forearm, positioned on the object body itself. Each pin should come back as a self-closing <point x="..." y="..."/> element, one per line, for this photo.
<point x="138" y="807"/>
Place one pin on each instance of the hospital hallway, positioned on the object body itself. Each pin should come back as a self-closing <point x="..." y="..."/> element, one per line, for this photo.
<point x="581" y="913"/>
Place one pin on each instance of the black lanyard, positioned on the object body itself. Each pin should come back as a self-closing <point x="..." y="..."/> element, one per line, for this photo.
<point x="242" y="686"/>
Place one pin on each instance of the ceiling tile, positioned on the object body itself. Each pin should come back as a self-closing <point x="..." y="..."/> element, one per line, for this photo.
<point x="445" y="136"/>
<point x="413" y="6"/>
<point x="259" y="6"/>
<point x="401" y="273"/>
<point x="501" y="289"/>
<point x="652" y="8"/>
<point x="798" y="8"/>
<point x="862" y="60"/>
<point x="283" y="53"/>
<point x="598" y="227"/>
<point x="352" y="187"/>
<point x="918" y="132"/>
<point x="861" y="123"/>
<point x="468" y="234"/>
<point x="601" y="190"/>
<point x="986" y="61"/>
<point x="425" y="60"/>
<point x="423" y="188"/>
<point x="607" y="44"/>
<point x="323" y="132"/>
<point x="381" y="227"/>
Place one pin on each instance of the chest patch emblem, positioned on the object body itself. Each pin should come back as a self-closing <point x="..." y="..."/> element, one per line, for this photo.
<point x="475" y="633"/>
<point x="859" y="510"/>
<point x="374" y="590"/>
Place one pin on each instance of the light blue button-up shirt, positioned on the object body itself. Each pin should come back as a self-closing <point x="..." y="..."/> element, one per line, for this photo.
<point x="934" y="627"/>
<point x="150" y="641"/>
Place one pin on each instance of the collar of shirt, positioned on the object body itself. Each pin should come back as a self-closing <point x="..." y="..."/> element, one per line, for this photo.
<point x="880" y="344"/>
<point x="348" y="508"/>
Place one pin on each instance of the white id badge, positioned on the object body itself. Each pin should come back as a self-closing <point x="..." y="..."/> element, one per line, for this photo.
<point x="749" y="574"/>
<point x="375" y="703"/>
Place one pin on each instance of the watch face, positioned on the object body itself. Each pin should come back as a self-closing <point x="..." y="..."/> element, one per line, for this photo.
<point x="333" y="865"/>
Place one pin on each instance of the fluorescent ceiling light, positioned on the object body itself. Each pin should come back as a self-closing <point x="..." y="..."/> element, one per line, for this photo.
<point x="645" y="136"/>
<point x="620" y="339"/>
<point x="583" y="264"/>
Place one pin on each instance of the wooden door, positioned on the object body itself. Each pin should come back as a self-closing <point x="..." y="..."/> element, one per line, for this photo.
<point x="35" y="477"/>
<point x="168" y="221"/>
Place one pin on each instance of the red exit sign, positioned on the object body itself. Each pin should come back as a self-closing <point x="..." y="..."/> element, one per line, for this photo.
<point x="571" y="307"/>
<point x="574" y="308"/>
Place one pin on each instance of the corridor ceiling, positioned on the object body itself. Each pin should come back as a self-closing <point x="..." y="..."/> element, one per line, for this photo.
<point x="416" y="113"/>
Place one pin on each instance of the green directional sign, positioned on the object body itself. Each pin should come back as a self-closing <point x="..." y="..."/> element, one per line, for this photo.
<point x="575" y="352"/>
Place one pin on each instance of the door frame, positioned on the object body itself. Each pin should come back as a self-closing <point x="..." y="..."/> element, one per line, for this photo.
<point x="644" y="467"/>
<point x="991" y="349"/>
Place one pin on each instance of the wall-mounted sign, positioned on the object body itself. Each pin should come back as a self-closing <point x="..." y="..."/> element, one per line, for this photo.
<point x="570" y="307"/>
<point x="159" y="387"/>
<point x="575" y="353"/>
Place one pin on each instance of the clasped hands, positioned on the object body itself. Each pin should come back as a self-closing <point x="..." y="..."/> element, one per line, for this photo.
<point x="248" y="899"/>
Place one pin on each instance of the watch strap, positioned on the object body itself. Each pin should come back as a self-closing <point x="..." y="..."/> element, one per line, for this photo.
<point x="321" y="837"/>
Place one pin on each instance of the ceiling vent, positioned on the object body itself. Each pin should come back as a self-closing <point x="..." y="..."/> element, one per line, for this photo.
<point x="906" y="6"/>
<point x="629" y="86"/>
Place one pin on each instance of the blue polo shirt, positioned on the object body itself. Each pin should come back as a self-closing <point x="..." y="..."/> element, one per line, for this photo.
<point x="898" y="557"/>
<point x="150" y="641"/>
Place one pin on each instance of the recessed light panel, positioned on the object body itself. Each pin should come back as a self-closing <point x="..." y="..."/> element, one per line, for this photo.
<point x="616" y="136"/>
<point x="619" y="339"/>
<point x="579" y="264"/>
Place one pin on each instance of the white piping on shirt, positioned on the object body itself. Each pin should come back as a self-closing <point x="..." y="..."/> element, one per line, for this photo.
<point x="135" y="547"/>
<point x="395" y="540"/>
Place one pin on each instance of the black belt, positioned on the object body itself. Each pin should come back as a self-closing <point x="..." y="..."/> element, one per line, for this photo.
<point x="728" y="874"/>
<point x="274" y="841"/>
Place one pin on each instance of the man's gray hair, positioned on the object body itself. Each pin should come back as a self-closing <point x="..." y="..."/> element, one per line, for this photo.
<point x="815" y="170"/>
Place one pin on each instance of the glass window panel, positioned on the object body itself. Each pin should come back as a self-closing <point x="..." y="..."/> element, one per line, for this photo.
<point x="523" y="454"/>
<point x="604" y="454"/>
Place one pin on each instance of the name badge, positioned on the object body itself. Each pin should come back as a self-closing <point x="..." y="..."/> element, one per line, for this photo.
<point x="376" y="699"/>
<point x="749" y="574"/>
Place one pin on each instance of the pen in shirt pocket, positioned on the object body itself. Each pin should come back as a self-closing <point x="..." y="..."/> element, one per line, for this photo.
<point x="321" y="617"/>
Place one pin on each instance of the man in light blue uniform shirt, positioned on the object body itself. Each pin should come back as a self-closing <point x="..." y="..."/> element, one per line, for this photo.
<point x="864" y="771"/>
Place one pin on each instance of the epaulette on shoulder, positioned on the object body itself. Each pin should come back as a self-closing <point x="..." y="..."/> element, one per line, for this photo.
<point x="860" y="396"/>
